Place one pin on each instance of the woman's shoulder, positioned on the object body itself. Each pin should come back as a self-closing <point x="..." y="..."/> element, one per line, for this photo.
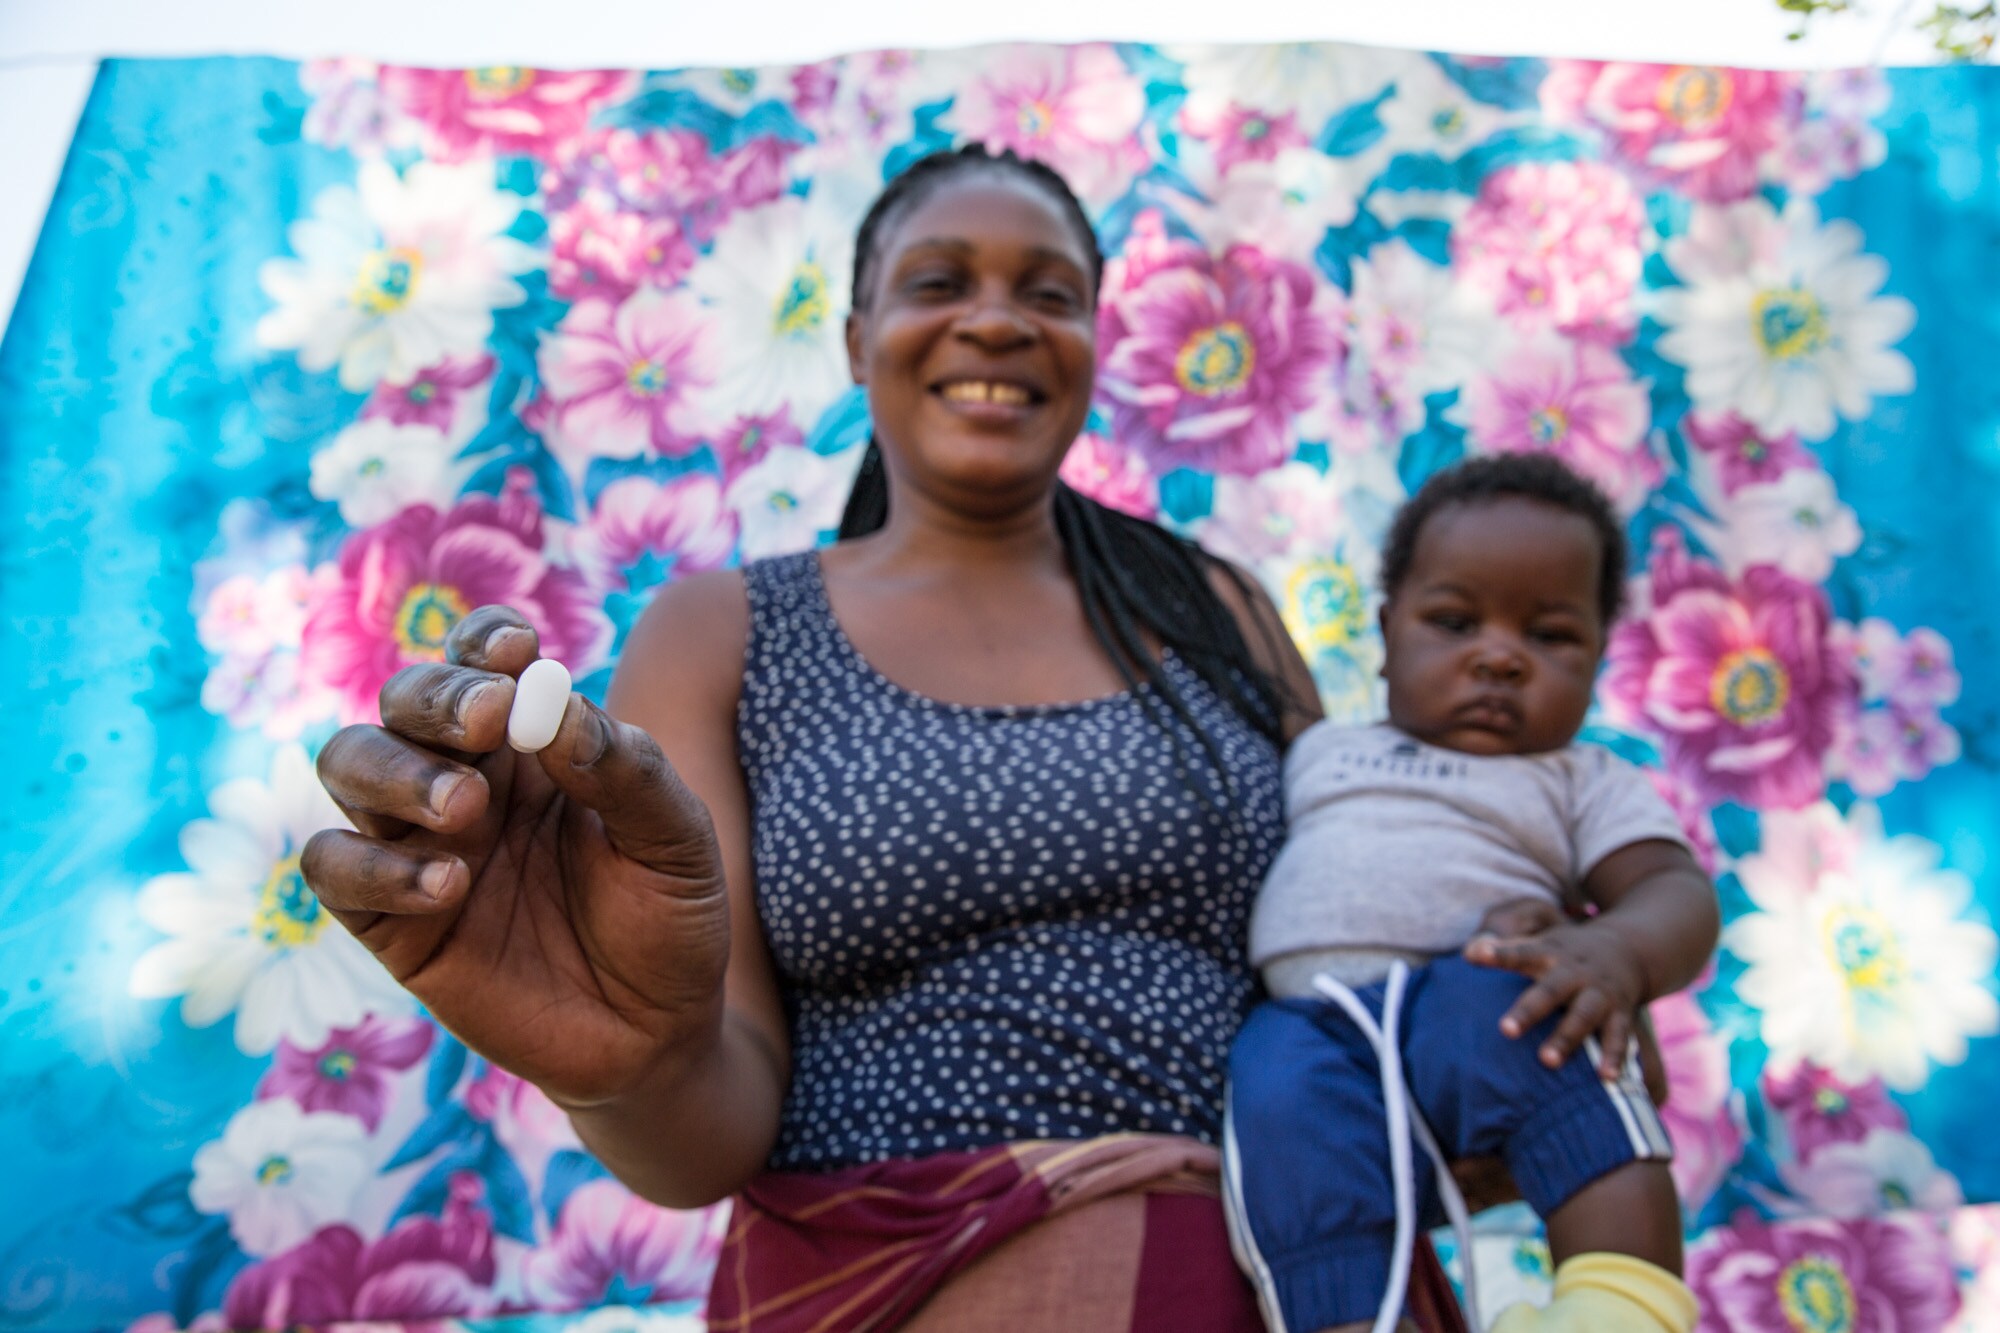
<point x="691" y="636"/>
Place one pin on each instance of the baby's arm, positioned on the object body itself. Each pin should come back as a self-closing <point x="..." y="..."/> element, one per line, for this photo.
<point x="1656" y="926"/>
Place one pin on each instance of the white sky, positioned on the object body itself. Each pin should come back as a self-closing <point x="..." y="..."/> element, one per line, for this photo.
<point x="49" y="48"/>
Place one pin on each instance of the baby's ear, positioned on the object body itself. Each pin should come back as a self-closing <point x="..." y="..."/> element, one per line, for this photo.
<point x="1382" y="627"/>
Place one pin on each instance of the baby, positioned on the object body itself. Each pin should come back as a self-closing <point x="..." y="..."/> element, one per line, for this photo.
<point x="1503" y="576"/>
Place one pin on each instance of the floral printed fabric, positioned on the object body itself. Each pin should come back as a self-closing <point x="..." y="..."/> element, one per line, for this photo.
<point x="313" y="359"/>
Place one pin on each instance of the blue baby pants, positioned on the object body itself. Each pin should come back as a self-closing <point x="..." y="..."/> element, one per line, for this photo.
<point x="1307" y="1171"/>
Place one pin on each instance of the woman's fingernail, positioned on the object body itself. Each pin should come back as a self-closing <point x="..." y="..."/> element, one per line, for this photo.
<point x="470" y="700"/>
<point x="493" y="640"/>
<point x="442" y="788"/>
<point x="594" y="738"/>
<point x="435" y="879"/>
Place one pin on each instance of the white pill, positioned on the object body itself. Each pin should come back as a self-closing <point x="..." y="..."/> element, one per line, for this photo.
<point x="540" y="696"/>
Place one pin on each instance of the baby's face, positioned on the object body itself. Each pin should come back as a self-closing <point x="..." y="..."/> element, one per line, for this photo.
<point x="1494" y="636"/>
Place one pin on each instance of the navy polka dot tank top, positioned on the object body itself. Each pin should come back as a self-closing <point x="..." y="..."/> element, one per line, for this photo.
<point x="991" y="923"/>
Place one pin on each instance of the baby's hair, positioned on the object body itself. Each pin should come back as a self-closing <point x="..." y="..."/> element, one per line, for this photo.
<point x="1540" y="477"/>
<point x="923" y="178"/>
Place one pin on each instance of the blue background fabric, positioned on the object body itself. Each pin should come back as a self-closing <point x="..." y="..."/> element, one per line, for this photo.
<point x="310" y="358"/>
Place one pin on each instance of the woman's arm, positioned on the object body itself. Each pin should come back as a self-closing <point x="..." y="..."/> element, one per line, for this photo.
<point x="704" y="1122"/>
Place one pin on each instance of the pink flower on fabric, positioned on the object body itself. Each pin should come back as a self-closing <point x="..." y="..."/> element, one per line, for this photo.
<point x="503" y="109"/>
<point x="1700" y="1113"/>
<point x="742" y="444"/>
<point x="598" y="251"/>
<point x="352" y="1071"/>
<point x="758" y="172"/>
<point x="1741" y="681"/>
<point x="433" y="395"/>
<point x="1923" y="741"/>
<point x="1112" y="475"/>
<point x="1559" y="244"/>
<point x="1743" y="455"/>
<point x="1150" y="249"/>
<point x="1577" y="401"/>
<point x="609" y="1245"/>
<point x="1205" y="363"/>
<point x="248" y="615"/>
<point x="1866" y="757"/>
<point x="1818" y="1109"/>
<point x="1869" y="1275"/>
<point x="1240" y="134"/>
<point x="683" y="521"/>
<point x="657" y="172"/>
<point x="529" y="1126"/>
<point x="1912" y="671"/>
<point x="813" y="86"/>
<point x="1076" y="108"/>
<point x="400" y="586"/>
<point x="621" y="379"/>
<point x="1698" y="129"/>
<point x="424" y="1274"/>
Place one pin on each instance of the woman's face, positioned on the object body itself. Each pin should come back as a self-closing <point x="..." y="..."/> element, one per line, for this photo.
<point x="977" y="341"/>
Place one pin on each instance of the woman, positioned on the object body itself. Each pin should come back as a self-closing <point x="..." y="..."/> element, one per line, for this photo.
<point x="900" y="891"/>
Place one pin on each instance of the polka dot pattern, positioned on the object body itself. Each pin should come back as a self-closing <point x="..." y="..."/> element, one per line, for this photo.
<point x="992" y="923"/>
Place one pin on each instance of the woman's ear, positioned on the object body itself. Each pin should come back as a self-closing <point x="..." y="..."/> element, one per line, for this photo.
<point x="857" y="358"/>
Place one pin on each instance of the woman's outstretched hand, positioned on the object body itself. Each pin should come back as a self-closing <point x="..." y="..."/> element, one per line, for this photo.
<point x="562" y="912"/>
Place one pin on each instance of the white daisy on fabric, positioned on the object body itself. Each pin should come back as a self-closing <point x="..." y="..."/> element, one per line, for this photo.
<point x="777" y="284"/>
<point x="1860" y="958"/>
<point x="1312" y="80"/>
<point x="1283" y="206"/>
<point x="375" y="468"/>
<point x="786" y="499"/>
<point x="280" y="1174"/>
<point x="738" y="88"/>
<point x="635" y="1319"/>
<point x="245" y="933"/>
<point x="1887" y="1172"/>
<point x="1797" y="523"/>
<point x="396" y="273"/>
<point x="1429" y="112"/>
<point x="1781" y="320"/>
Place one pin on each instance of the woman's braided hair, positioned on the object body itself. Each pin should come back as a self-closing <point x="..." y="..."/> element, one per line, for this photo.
<point x="1134" y="577"/>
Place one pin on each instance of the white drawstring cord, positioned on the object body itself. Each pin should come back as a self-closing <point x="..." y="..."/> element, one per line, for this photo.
<point x="1403" y="1122"/>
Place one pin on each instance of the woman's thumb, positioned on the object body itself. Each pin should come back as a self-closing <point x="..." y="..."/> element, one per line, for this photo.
<point x="648" y="813"/>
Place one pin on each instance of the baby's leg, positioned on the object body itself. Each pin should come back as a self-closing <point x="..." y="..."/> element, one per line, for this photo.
<point x="1312" y="1214"/>
<point x="1588" y="1154"/>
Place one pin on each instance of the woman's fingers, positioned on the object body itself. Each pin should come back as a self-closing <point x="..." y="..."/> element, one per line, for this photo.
<point x="385" y="783"/>
<point x="493" y="638"/>
<point x="648" y="813"/>
<point x="456" y="708"/>
<point x="360" y="879"/>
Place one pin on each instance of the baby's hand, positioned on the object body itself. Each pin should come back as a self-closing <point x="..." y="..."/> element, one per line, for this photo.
<point x="1587" y="969"/>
